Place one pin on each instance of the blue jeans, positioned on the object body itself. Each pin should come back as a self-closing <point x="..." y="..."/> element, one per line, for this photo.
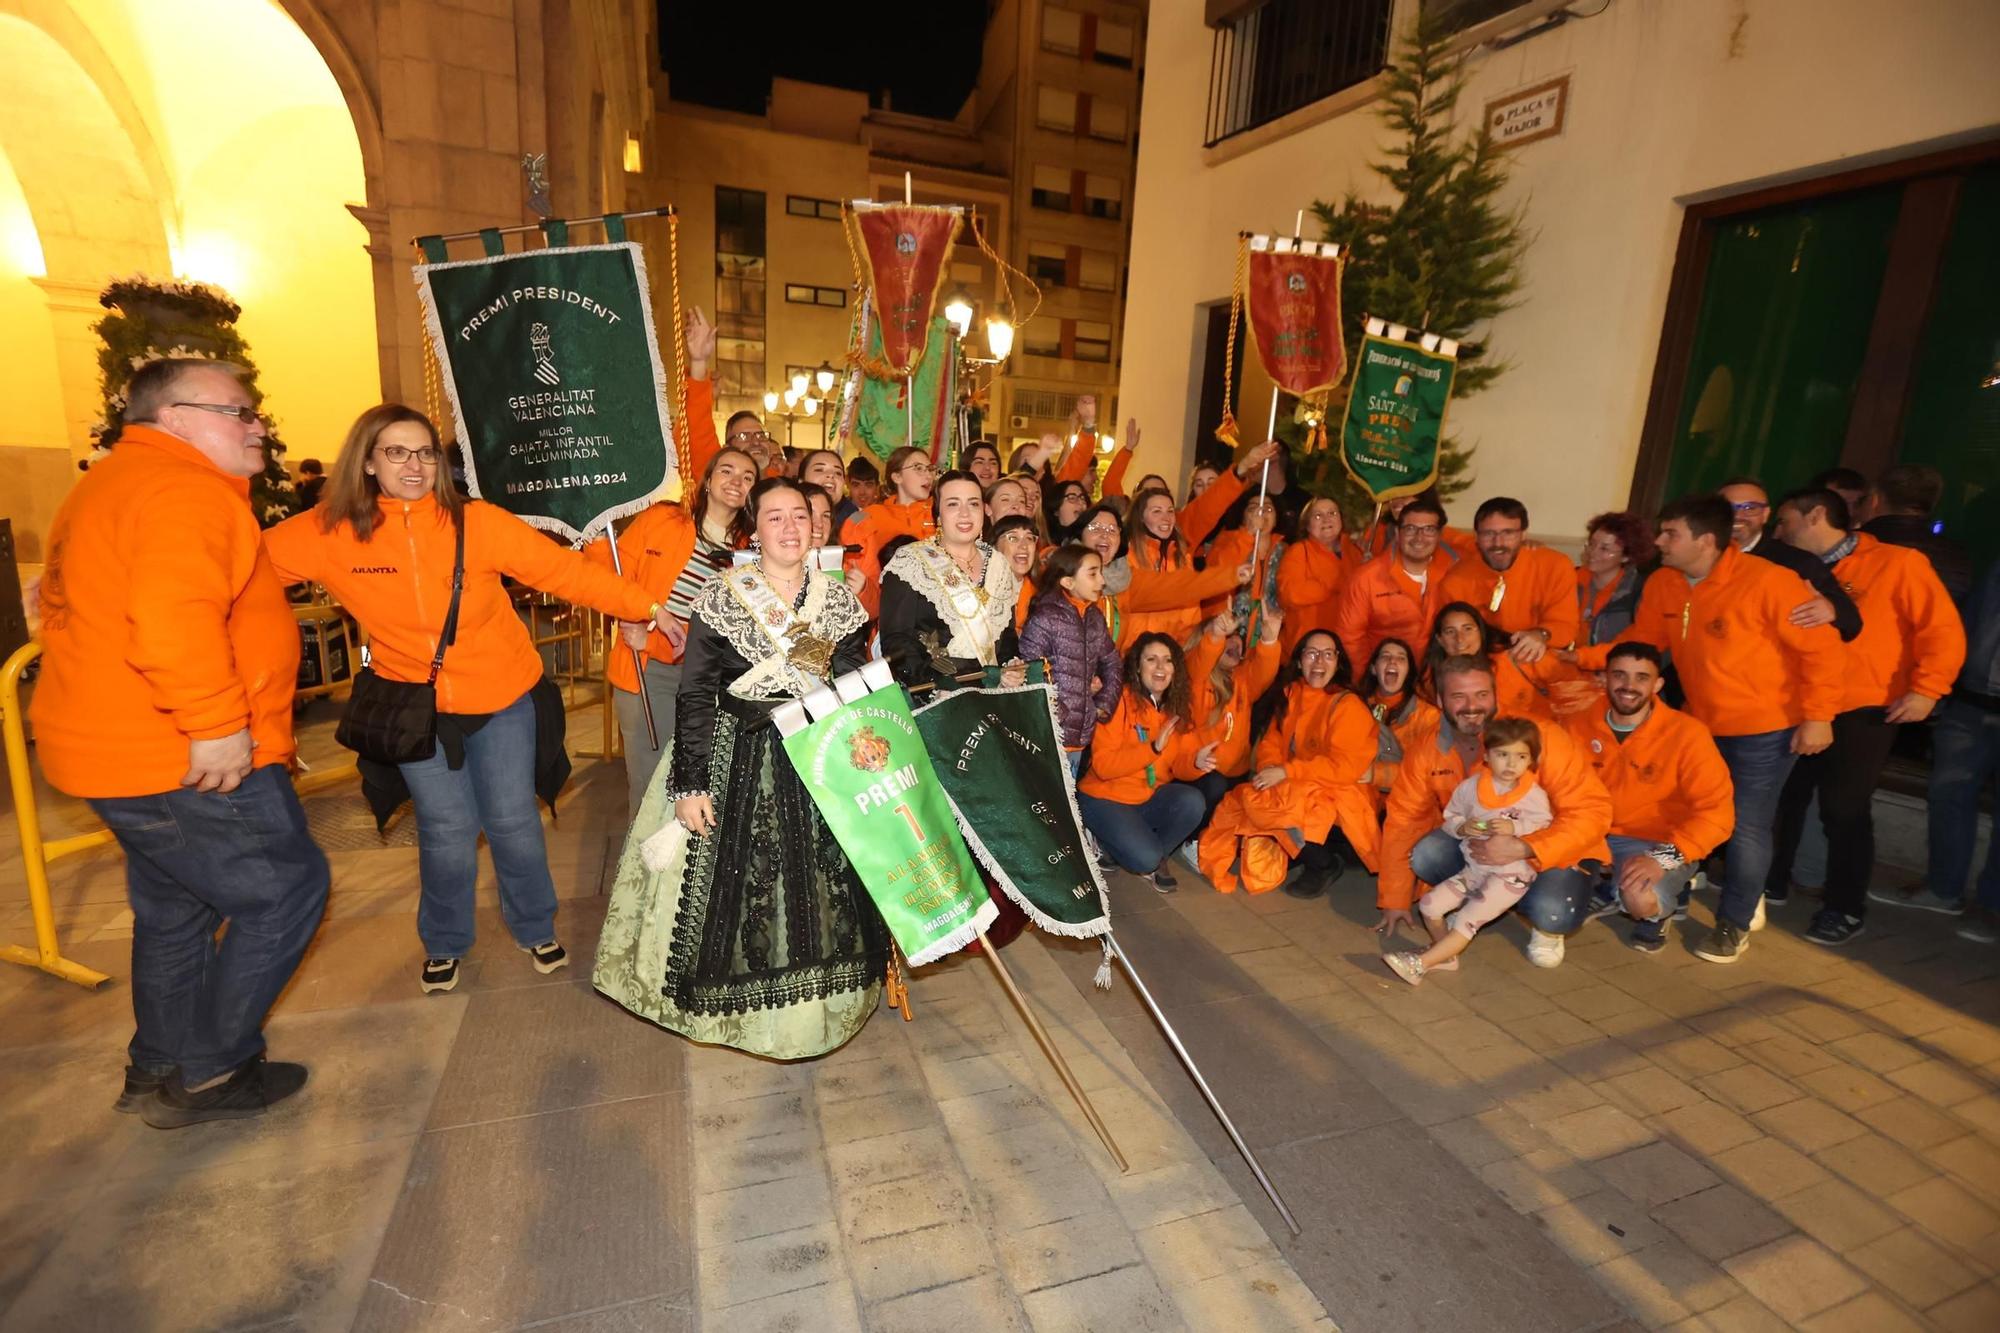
<point x="495" y="791"/>
<point x="1965" y="757"/>
<point x="1555" y="903"/>
<point x="194" y="860"/>
<point x="1672" y="884"/>
<point x="1139" y="837"/>
<point x="1758" y="767"/>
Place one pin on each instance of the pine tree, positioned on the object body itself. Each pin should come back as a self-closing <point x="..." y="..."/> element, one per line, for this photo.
<point x="1445" y="257"/>
<point x="149" y="320"/>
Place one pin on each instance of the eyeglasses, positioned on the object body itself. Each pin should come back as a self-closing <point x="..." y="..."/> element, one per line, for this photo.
<point x="751" y="437"/>
<point x="1750" y="506"/>
<point x="249" y="416"/>
<point x="397" y="453"/>
<point x="1421" y="530"/>
<point x="1320" y="655"/>
<point x="1108" y="529"/>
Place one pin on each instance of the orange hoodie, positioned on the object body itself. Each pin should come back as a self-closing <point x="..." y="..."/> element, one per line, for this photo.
<point x="162" y="623"/>
<point x="1114" y="476"/>
<point x="1746" y="667"/>
<point x="1124" y="767"/>
<point x="1911" y="639"/>
<point x="1538" y="592"/>
<point x="703" y="443"/>
<point x="1667" y="780"/>
<point x="1381" y="601"/>
<point x="398" y="585"/>
<point x="1310" y="578"/>
<point x="1431" y="770"/>
<point x="1225" y="719"/>
<point x="652" y="551"/>
<point x="873" y="528"/>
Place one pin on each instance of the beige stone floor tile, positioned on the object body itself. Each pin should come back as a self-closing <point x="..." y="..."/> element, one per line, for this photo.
<point x="1913" y="1266"/>
<point x="741" y="1077"/>
<point x="1551" y="1098"/>
<point x="1554" y="1028"/>
<point x="1016" y="1201"/>
<point x="1744" y="1314"/>
<point x="1705" y="1128"/>
<point x="1538" y="1179"/>
<point x="1820" y="1021"/>
<point x="1974" y="1311"/>
<point x="1649" y="1091"/>
<point x="1129" y="1300"/>
<point x="1870" y="1312"/>
<point x="1583" y="1226"/>
<point x="1769" y="1169"/>
<point x="1664" y="1283"/>
<point x="1286" y="971"/>
<point x="726" y="1216"/>
<point x="1796" y="1277"/>
<point x="891" y="1073"/>
<point x="1194" y="1249"/>
<point x="1876" y="1165"/>
<point x="1947" y="1210"/>
<point x="1969" y="1044"/>
<point x="1262" y="1296"/>
<point x="1913" y="1123"/>
<point x="1490" y="1136"/>
<point x="1982" y="1113"/>
<point x="1809" y="1124"/>
<point x="1595" y="1061"/>
<point x="1788" y="1056"/>
<point x="1692" y="1058"/>
<point x="1066" y="1251"/>
<point x="827" y="1308"/>
<point x="1598" y="1131"/>
<point x="1847" y="1088"/>
<point x="1602" y="1001"/>
<point x="1974" y="1159"/>
<point x="1939" y="1083"/>
<point x="1181" y="1189"/>
<point x="1655" y="1174"/>
<point x="1837" y="1215"/>
<point x="977" y="1305"/>
<point x="1721" y="1221"/>
<point x="1747" y="1088"/>
<point x="890" y="1266"/>
<point x="749" y="1270"/>
<point x="1875" y="1051"/>
<point x="1736" y="1027"/>
<point x="897" y="1206"/>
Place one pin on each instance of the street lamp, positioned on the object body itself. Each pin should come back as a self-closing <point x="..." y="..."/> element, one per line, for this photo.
<point x="796" y="403"/>
<point x="999" y="337"/>
<point x="958" y="310"/>
<point x="824" y="378"/>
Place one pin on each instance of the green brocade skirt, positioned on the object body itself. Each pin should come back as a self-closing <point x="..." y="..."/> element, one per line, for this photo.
<point x="758" y="936"/>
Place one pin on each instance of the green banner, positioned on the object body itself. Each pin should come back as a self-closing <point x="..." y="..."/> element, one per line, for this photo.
<point x="999" y="755"/>
<point x="883" y="417"/>
<point x="1395" y="417"/>
<point x="866" y="768"/>
<point x="553" y="373"/>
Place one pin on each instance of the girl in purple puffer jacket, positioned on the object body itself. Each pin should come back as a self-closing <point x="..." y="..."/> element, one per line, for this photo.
<point x="1065" y="626"/>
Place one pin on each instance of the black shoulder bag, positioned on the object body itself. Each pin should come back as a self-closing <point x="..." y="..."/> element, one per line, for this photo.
<point x="395" y="721"/>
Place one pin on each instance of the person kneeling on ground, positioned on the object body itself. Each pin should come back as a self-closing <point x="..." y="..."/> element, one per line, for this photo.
<point x="1671" y="799"/>
<point x="1437" y="760"/>
<point x="1138" y="797"/>
<point x="1501" y="802"/>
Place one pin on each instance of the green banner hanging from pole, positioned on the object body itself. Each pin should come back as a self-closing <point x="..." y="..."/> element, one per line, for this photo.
<point x="867" y="769"/>
<point x="883" y="420"/>
<point x="1395" y="413"/>
<point x="553" y="373"/>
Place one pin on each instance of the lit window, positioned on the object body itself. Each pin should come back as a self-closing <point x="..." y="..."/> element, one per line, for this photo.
<point x="799" y="293"/>
<point x="634" y="163"/>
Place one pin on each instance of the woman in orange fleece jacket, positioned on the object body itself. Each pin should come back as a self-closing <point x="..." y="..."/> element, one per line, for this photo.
<point x="1310" y="763"/>
<point x="382" y="541"/>
<point x="1138" y="797"/>
<point x="1159" y="550"/>
<point x="904" y="511"/>
<point x="1229" y="676"/>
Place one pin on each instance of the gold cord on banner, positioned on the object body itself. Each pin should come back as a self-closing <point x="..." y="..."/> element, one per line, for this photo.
<point x="433" y="387"/>
<point x="1225" y="430"/>
<point x="681" y="438"/>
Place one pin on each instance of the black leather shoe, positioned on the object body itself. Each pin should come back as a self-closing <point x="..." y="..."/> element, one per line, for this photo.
<point x="252" y="1090"/>
<point x="139" y="1085"/>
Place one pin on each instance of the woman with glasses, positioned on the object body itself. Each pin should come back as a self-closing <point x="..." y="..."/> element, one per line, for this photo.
<point x="1306" y="799"/>
<point x="1062" y="512"/>
<point x="904" y="512"/>
<point x="1610" y="575"/>
<point x="383" y="541"/>
<point x="1314" y="569"/>
<point x="1253" y="531"/>
<point x="1162" y="590"/>
<point x="672" y="550"/>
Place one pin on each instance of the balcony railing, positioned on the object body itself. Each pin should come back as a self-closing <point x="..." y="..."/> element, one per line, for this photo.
<point x="1286" y="54"/>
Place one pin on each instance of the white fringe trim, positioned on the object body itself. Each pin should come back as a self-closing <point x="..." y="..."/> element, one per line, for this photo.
<point x="1083" y="930"/>
<point x="982" y="917"/>
<point x="670" y="476"/>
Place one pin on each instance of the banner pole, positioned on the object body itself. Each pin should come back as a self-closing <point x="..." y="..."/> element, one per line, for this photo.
<point x="638" y="658"/>
<point x="1048" y="1046"/>
<point x="1257" y="538"/>
<point x="1368" y="540"/>
<point x="1187" y="1062"/>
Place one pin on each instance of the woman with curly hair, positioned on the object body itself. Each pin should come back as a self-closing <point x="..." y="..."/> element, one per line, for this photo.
<point x="1610" y="574"/>
<point x="1138" y="797"/>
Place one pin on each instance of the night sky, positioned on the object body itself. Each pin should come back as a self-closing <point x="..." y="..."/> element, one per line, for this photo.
<point x="724" y="55"/>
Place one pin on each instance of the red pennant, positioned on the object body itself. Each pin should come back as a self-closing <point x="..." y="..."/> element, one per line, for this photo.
<point x="905" y="247"/>
<point x="1294" y="304"/>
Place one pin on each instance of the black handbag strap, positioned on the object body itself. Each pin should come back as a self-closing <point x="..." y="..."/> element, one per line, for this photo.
<point x="450" y="634"/>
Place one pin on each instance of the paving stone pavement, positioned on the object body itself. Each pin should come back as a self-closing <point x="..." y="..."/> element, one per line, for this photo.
<point x="1807" y="1139"/>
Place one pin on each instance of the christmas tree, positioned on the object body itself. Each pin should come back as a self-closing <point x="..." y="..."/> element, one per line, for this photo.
<point x="1445" y="257"/>
<point x="149" y="320"/>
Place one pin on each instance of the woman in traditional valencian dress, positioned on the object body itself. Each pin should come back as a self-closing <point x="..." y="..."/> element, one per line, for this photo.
<point x="948" y="601"/>
<point x="742" y="922"/>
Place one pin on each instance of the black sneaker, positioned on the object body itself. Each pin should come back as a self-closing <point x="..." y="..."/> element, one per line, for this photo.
<point x="439" y="974"/>
<point x="139" y="1085"/>
<point x="1725" y="944"/>
<point x="1833" y="927"/>
<point x="1779" y="895"/>
<point x="1163" y="877"/>
<point x="1649" y="936"/>
<point x="547" y="957"/>
<point x="250" y="1091"/>
<point x="1604" y="902"/>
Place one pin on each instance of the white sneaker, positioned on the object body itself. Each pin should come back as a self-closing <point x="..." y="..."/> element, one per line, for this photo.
<point x="1545" y="950"/>
<point x="1757" y="917"/>
<point x="1191" y="855"/>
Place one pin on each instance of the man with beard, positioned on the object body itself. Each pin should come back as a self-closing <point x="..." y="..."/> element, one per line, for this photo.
<point x="1397" y="594"/>
<point x="1766" y="686"/>
<point x="1443" y="754"/>
<point x="1529" y="592"/>
<point x="1671" y="799"/>
<point x="1750" y="511"/>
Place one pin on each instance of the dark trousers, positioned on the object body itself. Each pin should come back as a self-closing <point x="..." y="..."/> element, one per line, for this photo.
<point x="1843" y="776"/>
<point x="1759" y="765"/>
<point x="194" y="860"/>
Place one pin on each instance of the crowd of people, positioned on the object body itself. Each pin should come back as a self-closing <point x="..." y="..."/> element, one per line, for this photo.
<point x="1242" y="687"/>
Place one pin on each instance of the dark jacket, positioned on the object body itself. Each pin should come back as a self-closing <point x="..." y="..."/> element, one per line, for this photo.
<point x="1078" y="648"/>
<point x="1948" y="557"/>
<point x="383" y="787"/>
<point x="1846" y="616"/>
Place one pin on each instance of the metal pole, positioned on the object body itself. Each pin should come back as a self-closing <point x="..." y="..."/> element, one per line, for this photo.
<point x="638" y="658"/>
<point x="663" y="212"/>
<point x="910" y="401"/>
<point x="1187" y="1061"/>
<point x="1049" y="1049"/>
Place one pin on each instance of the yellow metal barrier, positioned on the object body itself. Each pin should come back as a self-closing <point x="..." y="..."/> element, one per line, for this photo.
<point x="35" y="854"/>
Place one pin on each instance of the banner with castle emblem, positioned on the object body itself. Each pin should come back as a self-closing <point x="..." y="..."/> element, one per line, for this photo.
<point x="1294" y="306"/>
<point x="552" y="370"/>
<point x="1395" y="410"/>
<point x="868" y="771"/>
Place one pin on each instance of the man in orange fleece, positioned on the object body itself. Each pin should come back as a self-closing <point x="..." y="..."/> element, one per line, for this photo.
<point x="1397" y="594"/>
<point x="1910" y="648"/>
<point x="904" y="511"/>
<point x="169" y="660"/>
<point x="1444" y="753"/>
<point x="1671" y="799"/>
<point x="1766" y="686"/>
<point x="1527" y="591"/>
